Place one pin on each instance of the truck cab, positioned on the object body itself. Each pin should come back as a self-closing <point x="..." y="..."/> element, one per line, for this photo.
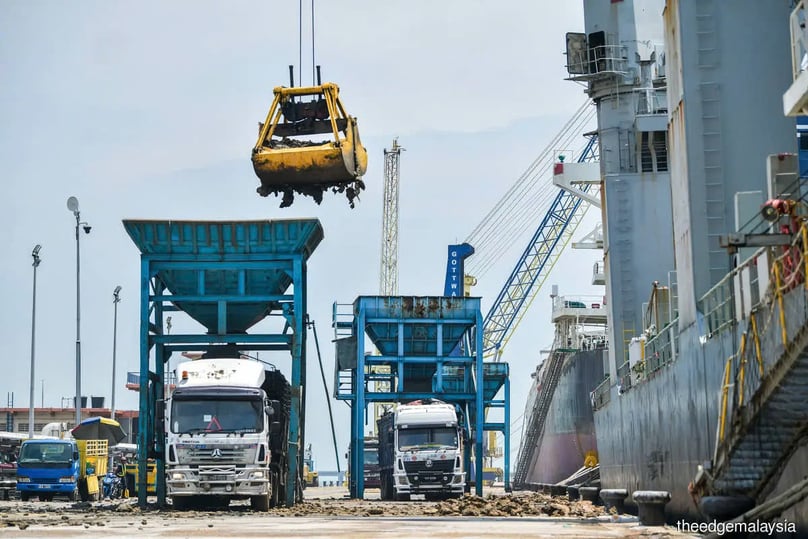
<point x="48" y="468"/>
<point x="8" y="472"/>
<point x="421" y="451"/>
<point x="227" y="426"/>
<point x="372" y="476"/>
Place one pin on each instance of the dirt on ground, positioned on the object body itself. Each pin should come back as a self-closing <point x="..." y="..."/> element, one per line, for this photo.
<point x="524" y="504"/>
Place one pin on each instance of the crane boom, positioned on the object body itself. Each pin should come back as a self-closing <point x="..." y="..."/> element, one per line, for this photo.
<point x="542" y="252"/>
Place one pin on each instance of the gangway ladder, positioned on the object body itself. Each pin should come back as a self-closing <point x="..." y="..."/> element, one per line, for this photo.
<point x="541" y="407"/>
<point x="765" y="431"/>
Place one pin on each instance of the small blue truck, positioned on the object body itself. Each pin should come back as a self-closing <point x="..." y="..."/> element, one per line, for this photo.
<point x="58" y="467"/>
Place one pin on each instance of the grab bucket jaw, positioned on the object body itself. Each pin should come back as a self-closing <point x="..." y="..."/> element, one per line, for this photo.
<point x="287" y="164"/>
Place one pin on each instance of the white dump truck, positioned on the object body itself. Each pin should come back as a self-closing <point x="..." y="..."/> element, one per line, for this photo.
<point x="421" y="451"/>
<point x="227" y="425"/>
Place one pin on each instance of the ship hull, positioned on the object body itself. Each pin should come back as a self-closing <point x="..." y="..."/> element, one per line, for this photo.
<point x="569" y="429"/>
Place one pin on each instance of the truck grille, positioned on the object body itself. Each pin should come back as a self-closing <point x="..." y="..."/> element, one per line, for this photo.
<point x="438" y="466"/>
<point x="213" y="455"/>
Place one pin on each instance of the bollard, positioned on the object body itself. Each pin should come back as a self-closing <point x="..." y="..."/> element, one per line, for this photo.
<point x="589" y="494"/>
<point x="572" y="493"/>
<point x="614" y="497"/>
<point x="651" y="506"/>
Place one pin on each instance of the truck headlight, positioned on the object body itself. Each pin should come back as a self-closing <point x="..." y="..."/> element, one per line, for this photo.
<point x="177" y="476"/>
<point x="67" y="479"/>
<point x="257" y="474"/>
<point x="23" y="480"/>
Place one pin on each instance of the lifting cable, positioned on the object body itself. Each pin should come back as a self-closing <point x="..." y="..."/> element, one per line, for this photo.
<point x="310" y="323"/>
<point x="531" y="194"/>
<point x="300" y="45"/>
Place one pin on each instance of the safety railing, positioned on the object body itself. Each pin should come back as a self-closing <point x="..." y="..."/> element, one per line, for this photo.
<point x="717" y="306"/>
<point x="661" y="348"/>
<point x="624" y="377"/>
<point x="766" y="336"/>
<point x="601" y="394"/>
<point x="652" y="101"/>
<point x="600" y="59"/>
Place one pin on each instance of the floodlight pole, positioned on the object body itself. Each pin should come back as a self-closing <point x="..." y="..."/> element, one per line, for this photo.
<point x="73" y="205"/>
<point x="37" y="260"/>
<point x="116" y="298"/>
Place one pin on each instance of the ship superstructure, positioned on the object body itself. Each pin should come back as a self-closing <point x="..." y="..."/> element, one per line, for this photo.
<point x="702" y="403"/>
<point x="620" y="57"/>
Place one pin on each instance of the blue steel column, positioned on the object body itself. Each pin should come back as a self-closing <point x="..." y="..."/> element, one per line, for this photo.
<point x="352" y="403"/>
<point x="294" y="427"/>
<point x="300" y="330"/>
<point x="159" y="392"/>
<point x="143" y="415"/>
<point x="507" y="432"/>
<point x="358" y="435"/>
<point x="480" y="417"/>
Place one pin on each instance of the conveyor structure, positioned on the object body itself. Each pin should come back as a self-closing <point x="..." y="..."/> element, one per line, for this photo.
<point x="228" y="276"/>
<point x="420" y="356"/>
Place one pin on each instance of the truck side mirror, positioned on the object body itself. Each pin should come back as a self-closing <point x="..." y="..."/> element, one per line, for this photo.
<point x="75" y="455"/>
<point x="160" y="411"/>
<point x="275" y="428"/>
<point x="269" y="410"/>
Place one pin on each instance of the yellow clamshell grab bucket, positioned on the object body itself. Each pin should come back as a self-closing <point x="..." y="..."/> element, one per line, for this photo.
<point x="287" y="164"/>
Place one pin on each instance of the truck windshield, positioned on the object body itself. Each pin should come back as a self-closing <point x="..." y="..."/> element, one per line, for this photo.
<point x="45" y="454"/>
<point x="217" y="415"/>
<point x="432" y="438"/>
<point x="371" y="456"/>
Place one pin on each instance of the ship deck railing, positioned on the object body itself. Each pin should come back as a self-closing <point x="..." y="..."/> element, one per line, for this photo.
<point x="602" y="394"/>
<point x="598" y="61"/>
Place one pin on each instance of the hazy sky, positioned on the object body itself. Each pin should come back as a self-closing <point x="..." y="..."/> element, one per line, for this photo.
<point x="150" y="110"/>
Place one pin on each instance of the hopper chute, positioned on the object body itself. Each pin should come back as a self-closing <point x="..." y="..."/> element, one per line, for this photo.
<point x="288" y="161"/>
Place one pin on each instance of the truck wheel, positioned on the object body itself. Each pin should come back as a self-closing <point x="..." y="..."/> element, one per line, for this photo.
<point x="274" y="495"/>
<point x="43" y="497"/>
<point x="73" y="495"/>
<point x="6" y="495"/>
<point x="181" y="503"/>
<point x="83" y="494"/>
<point x="259" y="503"/>
<point x="25" y="496"/>
<point x="402" y="497"/>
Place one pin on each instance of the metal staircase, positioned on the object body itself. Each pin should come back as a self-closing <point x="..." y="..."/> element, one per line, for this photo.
<point x="766" y="431"/>
<point x="541" y="406"/>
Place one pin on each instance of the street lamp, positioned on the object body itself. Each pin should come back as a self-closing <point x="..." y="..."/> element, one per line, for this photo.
<point x="37" y="260"/>
<point x="116" y="298"/>
<point x="73" y="205"/>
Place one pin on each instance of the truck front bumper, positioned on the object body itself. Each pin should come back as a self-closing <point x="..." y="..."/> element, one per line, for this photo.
<point x="8" y="484"/>
<point x="38" y="488"/>
<point x="425" y="483"/>
<point x="217" y="481"/>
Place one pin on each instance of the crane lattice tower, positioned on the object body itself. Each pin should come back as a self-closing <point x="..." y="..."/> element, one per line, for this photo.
<point x="388" y="270"/>
<point x="388" y="273"/>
